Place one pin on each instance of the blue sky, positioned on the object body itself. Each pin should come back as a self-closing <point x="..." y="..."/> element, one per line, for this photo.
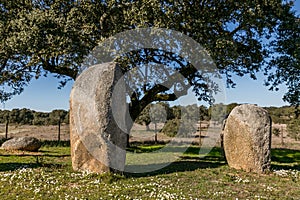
<point x="43" y="95"/>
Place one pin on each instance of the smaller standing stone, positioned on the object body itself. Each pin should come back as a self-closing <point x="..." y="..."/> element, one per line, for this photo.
<point x="247" y="139"/>
<point x="22" y="143"/>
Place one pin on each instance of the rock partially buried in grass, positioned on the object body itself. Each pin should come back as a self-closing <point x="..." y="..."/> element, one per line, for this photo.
<point x="247" y="139"/>
<point x="22" y="143"/>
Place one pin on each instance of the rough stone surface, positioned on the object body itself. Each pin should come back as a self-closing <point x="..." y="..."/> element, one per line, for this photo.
<point x="247" y="139"/>
<point x="97" y="120"/>
<point x="22" y="143"/>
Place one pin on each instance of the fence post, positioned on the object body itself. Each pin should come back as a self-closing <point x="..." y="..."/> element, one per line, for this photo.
<point x="58" y="136"/>
<point x="6" y="127"/>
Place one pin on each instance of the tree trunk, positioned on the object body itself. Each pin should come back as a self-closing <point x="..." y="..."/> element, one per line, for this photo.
<point x="128" y="134"/>
<point x="147" y="127"/>
<point x="281" y="135"/>
<point x="200" y="139"/>
<point x="129" y="125"/>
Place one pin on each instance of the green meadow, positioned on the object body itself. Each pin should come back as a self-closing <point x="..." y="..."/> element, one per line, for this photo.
<point x="179" y="173"/>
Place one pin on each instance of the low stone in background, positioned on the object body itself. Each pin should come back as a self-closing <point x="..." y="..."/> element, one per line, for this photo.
<point x="22" y="143"/>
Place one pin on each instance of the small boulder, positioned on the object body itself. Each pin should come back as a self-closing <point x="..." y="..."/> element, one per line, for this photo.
<point x="22" y="143"/>
<point x="247" y="139"/>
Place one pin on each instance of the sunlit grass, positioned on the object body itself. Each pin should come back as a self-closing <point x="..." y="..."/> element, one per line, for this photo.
<point x="188" y="177"/>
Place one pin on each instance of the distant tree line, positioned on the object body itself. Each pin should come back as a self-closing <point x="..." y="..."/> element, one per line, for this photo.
<point x="182" y="120"/>
<point x="282" y="115"/>
<point x="177" y="119"/>
<point x="26" y="116"/>
<point x="217" y="112"/>
<point x="288" y="115"/>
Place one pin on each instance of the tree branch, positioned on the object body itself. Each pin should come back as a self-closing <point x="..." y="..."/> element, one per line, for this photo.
<point x="58" y="70"/>
<point x="154" y="94"/>
<point x="236" y="29"/>
<point x="4" y="64"/>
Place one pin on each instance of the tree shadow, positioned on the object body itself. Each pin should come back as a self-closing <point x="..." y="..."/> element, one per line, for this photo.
<point x="12" y="166"/>
<point x="55" y="143"/>
<point x="193" y="150"/>
<point x="285" y="167"/>
<point x="35" y="154"/>
<point x="168" y="168"/>
<point x="188" y="161"/>
<point x="281" y="155"/>
<point x="287" y="159"/>
<point x="16" y="165"/>
<point x="14" y="160"/>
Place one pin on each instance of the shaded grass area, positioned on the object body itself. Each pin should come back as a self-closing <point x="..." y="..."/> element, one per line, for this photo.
<point x="188" y="158"/>
<point x="150" y="160"/>
<point x="57" y="157"/>
<point x="285" y="159"/>
<point x="188" y="177"/>
<point x="53" y="143"/>
<point x="285" y="155"/>
<point x="49" y="143"/>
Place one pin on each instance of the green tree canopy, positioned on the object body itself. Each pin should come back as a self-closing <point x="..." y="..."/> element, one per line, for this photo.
<point x="155" y="113"/>
<point x="285" y="68"/>
<point x="57" y="116"/>
<point x="144" y="117"/>
<point x="46" y="36"/>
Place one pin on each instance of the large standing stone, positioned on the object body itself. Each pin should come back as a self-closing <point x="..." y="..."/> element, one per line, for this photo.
<point x="247" y="138"/>
<point x="22" y="143"/>
<point x="97" y="117"/>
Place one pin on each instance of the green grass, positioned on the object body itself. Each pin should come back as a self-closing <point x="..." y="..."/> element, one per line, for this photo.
<point x="188" y="177"/>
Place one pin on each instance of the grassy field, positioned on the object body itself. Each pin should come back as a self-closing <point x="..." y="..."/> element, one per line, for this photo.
<point x="50" y="176"/>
